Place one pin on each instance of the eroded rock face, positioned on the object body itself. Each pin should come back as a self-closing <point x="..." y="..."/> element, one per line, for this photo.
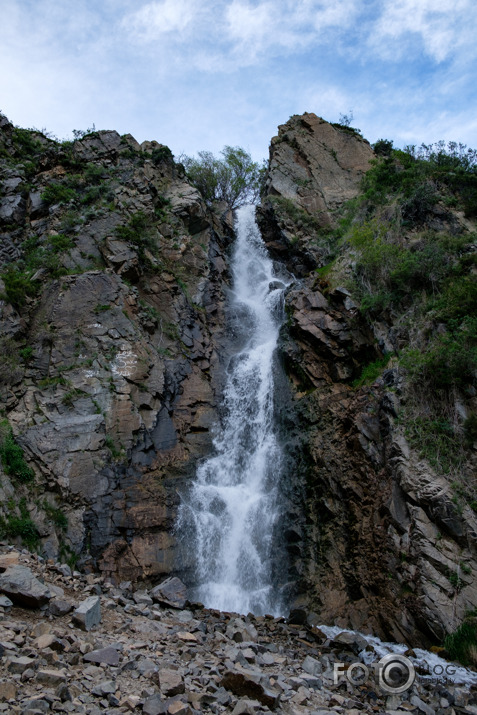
<point x="314" y="168"/>
<point x="115" y="398"/>
<point x="380" y="545"/>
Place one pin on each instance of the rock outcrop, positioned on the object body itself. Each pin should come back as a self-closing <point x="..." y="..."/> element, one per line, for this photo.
<point x="314" y="168"/>
<point x="383" y="545"/>
<point x="112" y="326"/>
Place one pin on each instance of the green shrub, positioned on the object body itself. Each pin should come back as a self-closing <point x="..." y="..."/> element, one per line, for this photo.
<point x="415" y="176"/>
<point x="69" y="397"/>
<point x="20" y="524"/>
<point x="371" y="372"/>
<point x="17" y="276"/>
<point x="470" y="429"/>
<point x="26" y="143"/>
<point x="18" y="286"/>
<point x="60" y="243"/>
<point x="301" y="218"/>
<point x="94" y="174"/>
<point x="450" y="359"/>
<point x="436" y="440"/>
<point x="462" y="644"/>
<point x="161" y="154"/>
<point x="58" y="194"/>
<point x="391" y="272"/>
<point x="11" y="454"/>
<point x="139" y="231"/>
<point x="457" y="300"/>
<point x="383" y="147"/>
<point x="26" y="354"/>
<point x="109" y="443"/>
<point x="417" y="206"/>
<point x="234" y="178"/>
<point x="56" y="515"/>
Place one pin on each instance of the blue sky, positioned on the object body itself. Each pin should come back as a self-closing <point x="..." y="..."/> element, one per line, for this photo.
<point x="197" y="74"/>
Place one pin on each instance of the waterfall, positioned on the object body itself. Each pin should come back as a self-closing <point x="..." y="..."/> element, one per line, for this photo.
<point x="232" y="507"/>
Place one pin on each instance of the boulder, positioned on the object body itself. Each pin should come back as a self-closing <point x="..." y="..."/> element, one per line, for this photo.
<point x="243" y="685"/>
<point x="20" y="585"/>
<point x="154" y="705"/>
<point x="171" y="592"/>
<point x="88" y="613"/>
<point x="108" y="656"/>
<point x="58" y="607"/>
<point x="171" y="682"/>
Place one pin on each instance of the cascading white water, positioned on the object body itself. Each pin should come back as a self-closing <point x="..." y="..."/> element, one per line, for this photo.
<point x="232" y="506"/>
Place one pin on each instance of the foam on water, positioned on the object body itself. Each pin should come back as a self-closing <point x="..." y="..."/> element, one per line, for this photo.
<point x="232" y="507"/>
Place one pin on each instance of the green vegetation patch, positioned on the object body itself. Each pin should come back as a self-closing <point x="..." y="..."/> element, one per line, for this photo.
<point x="19" y="523"/>
<point x="56" y="515"/>
<point x="140" y="232"/>
<point x="234" y="178"/>
<point x="462" y="643"/>
<point x="11" y="455"/>
<point x="43" y="259"/>
<point x="371" y="372"/>
<point x="422" y="281"/>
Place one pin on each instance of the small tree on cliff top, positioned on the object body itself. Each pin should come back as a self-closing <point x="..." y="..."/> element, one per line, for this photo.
<point x="234" y="178"/>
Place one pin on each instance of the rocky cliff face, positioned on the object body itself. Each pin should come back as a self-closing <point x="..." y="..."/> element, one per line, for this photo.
<point x="113" y="276"/>
<point x="384" y="544"/>
<point x="112" y="329"/>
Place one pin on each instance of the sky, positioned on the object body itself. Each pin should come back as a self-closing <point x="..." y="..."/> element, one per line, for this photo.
<point x="200" y="74"/>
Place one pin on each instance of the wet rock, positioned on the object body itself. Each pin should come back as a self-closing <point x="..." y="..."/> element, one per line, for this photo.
<point x="354" y="641"/>
<point x="239" y="631"/>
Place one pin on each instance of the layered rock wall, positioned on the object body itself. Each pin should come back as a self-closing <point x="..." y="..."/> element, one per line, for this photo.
<point x="382" y="544"/>
<point x="115" y="356"/>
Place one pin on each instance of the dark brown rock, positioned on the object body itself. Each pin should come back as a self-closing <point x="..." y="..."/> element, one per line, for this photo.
<point x="243" y="685"/>
<point x="171" y="592"/>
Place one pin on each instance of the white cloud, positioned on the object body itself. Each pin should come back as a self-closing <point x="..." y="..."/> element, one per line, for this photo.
<point x="155" y="18"/>
<point x="443" y="27"/>
<point x="289" y="25"/>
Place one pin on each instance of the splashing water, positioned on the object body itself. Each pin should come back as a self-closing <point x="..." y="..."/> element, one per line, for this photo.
<point x="233" y="504"/>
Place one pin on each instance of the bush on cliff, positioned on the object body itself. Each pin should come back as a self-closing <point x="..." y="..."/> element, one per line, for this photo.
<point x="414" y="268"/>
<point x="235" y="178"/>
<point x="11" y="456"/>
